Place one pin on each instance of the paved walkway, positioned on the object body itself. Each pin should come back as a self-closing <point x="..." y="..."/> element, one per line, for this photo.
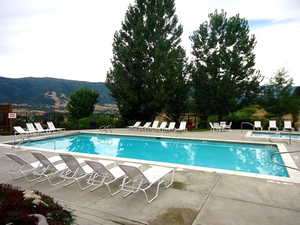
<point x="196" y="198"/>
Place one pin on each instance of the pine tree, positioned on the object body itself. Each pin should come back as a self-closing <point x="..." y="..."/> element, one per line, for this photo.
<point x="223" y="74"/>
<point x="148" y="62"/>
<point x="278" y="97"/>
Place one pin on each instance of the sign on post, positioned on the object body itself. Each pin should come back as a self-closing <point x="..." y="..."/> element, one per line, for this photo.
<point x="12" y="115"/>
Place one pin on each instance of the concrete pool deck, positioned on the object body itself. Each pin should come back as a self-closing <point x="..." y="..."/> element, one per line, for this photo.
<point x="196" y="198"/>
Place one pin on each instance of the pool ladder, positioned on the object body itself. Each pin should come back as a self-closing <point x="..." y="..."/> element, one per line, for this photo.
<point x="279" y="153"/>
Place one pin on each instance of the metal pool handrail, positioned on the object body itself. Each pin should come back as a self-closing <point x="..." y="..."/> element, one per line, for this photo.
<point x="106" y="128"/>
<point x="243" y="123"/>
<point x="279" y="153"/>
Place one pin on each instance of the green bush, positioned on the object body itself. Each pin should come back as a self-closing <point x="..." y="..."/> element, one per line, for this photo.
<point x="105" y="121"/>
<point x="212" y="118"/>
<point x="16" y="207"/>
<point x="245" y="115"/>
<point x="92" y="122"/>
<point x="86" y="123"/>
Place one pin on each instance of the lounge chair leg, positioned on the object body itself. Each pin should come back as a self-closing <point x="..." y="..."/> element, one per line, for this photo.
<point x="127" y="194"/>
<point x="69" y="183"/>
<point x="171" y="180"/>
<point x="92" y="182"/>
<point x="110" y="191"/>
<point x="57" y="183"/>
<point x="156" y="194"/>
<point x="37" y="176"/>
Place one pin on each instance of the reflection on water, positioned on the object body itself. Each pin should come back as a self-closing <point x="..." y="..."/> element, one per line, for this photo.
<point x="81" y="144"/>
<point x="231" y="156"/>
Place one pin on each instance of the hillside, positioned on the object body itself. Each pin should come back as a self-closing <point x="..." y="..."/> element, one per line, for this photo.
<point x="45" y="93"/>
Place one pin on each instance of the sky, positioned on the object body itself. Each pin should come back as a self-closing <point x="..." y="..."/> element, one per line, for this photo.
<point x="72" y="39"/>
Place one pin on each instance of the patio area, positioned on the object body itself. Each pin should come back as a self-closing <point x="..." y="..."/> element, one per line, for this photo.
<point x="196" y="197"/>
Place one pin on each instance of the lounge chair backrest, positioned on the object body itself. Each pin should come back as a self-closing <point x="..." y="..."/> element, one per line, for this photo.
<point x="44" y="161"/>
<point x="182" y="125"/>
<point x="163" y="125"/>
<point x="99" y="168"/>
<point x="72" y="163"/>
<point x="38" y="126"/>
<point x="155" y="124"/>
<point x="222" y="123"/>
<point x="19" y="161"/>
<point x="172" y="126"/>
<point x="19" y="130"/>
<point x="211" y="125"/>
<point x="288" y="124"/>
<point x="137" y="124"/>
<point x="272" y="123"/>
<point x="216" y="124"/>
<point x="134" y="173"/>
<point x="30" y="127"/>
<point x="51" y="125"/>
<point x="147" y="125"/>
<point x="257" y="124"/>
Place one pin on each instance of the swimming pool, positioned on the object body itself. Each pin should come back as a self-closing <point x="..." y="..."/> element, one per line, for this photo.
<point x="253" y="158"/>
<point x="276" y="135"/>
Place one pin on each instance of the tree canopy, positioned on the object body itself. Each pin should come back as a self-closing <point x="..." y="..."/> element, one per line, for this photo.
<point x="223" y="74"/>
<point x="82" y="103"/>
<point x="148" y="72"/>
<point x="278" y="97"/>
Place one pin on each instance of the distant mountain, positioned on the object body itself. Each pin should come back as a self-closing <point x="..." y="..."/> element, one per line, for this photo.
<point x="46" y="92"/>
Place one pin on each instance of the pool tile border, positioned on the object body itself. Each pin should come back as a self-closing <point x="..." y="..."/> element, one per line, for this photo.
<point x="288" y="160"/>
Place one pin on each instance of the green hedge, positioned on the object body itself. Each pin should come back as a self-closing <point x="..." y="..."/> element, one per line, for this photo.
<point x="92" y="122"/>
<point x="246" y="115"/>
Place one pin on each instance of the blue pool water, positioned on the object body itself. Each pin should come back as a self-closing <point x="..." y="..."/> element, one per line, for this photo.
<point x="276" y="135"/>
<point x="254" y="158"/>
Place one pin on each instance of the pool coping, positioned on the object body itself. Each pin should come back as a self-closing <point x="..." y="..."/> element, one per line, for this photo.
<point x="294" y="177"/>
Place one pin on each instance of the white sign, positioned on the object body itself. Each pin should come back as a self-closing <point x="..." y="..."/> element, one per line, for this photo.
<point x="12" y="115"/>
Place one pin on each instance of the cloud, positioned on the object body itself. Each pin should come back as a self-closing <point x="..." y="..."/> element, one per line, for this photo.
<point x="73" y="41"/>
<point x="277" y="48"/>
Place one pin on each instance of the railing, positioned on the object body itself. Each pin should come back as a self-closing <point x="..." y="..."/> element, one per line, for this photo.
<point x="23" y="139"/>
<point x="277" y="163"/>
<point x="106" y="128"/>
<point x="246" y="123"/>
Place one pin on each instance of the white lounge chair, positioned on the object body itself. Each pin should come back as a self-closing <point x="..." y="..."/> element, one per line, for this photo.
<point x="211" y="126"/>
<point x="215" y="126"/>
<point x="171" y="127"/>
<point x="257" y="125"/>
<point x="53" y="128"/>
<point x="25" y="168"/>
<point x="136" y="125"/>
<point x="272" y="125"/>
<point x="51" y="170"/>
<point x="20" y="130"/>
<point x="146" y="126"/>
<point x="75" y="171"/>
<point x="287" y="126"/>
<point x="162" y="126"/>
<point x="154" y="125"/>
<point x="225" y="126"/>
<point x="182" y="126"/>
<point x="136" y="180"/>
<point x="102" y="175"/>
<point x="40" y="128"/>
<point x="32" y="129"/>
